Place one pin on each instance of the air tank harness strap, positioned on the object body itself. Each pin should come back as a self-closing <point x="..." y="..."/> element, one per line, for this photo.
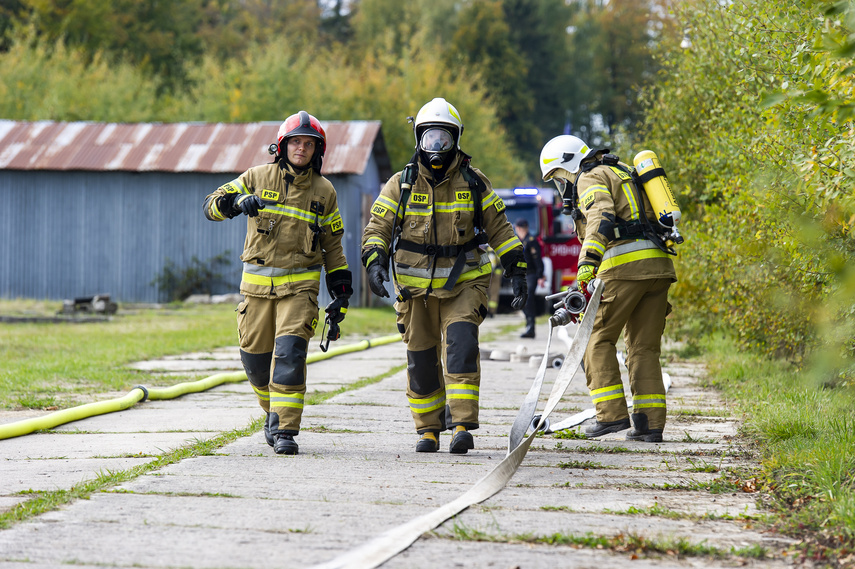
<point x="318" y="209"/>
<point x="652" y="233"/>
<point x="476" y="187"/>
<point x="408" y="178"/>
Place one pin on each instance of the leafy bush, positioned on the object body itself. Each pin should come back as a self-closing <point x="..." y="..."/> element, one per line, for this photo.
<point x="175" y="283"/>
<point x="754" y="124"/>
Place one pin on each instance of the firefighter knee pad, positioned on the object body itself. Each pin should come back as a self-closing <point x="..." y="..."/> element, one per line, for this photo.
<point x="257" y="367"/>
<point x="290" y="367"/>
<point x="423" y="371"/>
<point x="462" y="350"/>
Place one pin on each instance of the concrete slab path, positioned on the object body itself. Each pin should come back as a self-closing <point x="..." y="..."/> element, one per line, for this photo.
<point x="357" y="476"/>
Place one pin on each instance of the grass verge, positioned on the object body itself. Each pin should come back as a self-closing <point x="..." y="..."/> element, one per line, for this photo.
<point x="805" y="435"/>
<point x="51" y="365"/>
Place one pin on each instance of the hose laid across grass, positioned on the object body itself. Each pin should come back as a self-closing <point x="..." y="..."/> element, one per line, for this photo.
<point x="141" y="393"/>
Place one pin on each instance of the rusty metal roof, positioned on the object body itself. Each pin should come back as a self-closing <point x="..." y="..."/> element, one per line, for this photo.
<point x="176" y="147"/>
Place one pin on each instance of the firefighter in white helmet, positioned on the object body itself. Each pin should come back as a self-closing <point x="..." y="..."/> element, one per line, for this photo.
<point x="613" y="220"/>
<point x="434" y="219"/>
<point x="294" y="229"/>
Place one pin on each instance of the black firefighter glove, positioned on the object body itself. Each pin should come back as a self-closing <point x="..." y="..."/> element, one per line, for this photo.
<point x="340" y="283"/>
<point x="249" y="204"/>
<point x="515" y="269"/>
<point x="376" y="262"/>
<point x="335" y="314"/>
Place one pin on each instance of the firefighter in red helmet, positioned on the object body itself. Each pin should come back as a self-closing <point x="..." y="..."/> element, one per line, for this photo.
<point x="294" y="229"/>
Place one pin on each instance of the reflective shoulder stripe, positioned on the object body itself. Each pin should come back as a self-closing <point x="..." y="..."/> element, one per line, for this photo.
<point x="629" y="252"/>
<point x="593" y="189"/>
<point x="385" y="202"/>
<point x="629" y="194"/>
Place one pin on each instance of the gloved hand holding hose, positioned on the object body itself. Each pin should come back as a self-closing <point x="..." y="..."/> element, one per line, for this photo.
<point x="584" y="275"/>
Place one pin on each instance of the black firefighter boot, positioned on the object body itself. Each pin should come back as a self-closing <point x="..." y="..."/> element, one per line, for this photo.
<point x="285" y="444"/>
<point x="641" y="432"/>
<point x="428" y="443"/>
<point x="461" y="441"/>
<point x="599" y="429"/>
<point x="529" y="327"/>
<point x="267" y="435"/>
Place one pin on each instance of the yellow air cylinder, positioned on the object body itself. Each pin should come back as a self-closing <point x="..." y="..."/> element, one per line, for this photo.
<point x="657" y="188"/>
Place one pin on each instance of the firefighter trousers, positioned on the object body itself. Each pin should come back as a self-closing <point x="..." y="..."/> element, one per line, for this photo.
<point x="443" y="361"/>
<point x="638" y="308"/>
<point x="274" y="340"/>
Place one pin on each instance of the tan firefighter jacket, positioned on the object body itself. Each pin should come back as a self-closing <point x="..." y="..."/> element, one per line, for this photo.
<point x="298" y="231"/>
<point x="607" y="199"/>
<point x="436" y="224"/>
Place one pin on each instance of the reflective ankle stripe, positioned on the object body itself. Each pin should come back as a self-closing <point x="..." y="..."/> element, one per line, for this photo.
<point x="607" y="393"/>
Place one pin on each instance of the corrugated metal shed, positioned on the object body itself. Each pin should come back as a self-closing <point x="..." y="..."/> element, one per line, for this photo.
<point x="178" y="147"/>
<point x="95" y="208"/>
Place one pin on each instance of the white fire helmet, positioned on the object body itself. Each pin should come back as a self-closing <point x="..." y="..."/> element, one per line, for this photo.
<point x="440" y="113"/>
<point x="563" y="152"/>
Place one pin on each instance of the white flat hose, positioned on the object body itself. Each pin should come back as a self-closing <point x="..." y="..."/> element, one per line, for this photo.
<point x="390" y="543"/>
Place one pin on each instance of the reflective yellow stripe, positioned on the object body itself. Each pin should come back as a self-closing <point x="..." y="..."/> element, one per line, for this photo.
<point x="452" y="207"/>
<point x="276" y="281"/>
<point x="427" y="405"/>
<point x="630" y="257"/>
<point x="377" y="241"/>
<point x="289" y="211"/>
<point x="420" y="282"/>
<point x="462" y="391"/>
<point x="630" y="197"/>
<point x="647" y="401"/>
<point x="263" y="395"/>
<point x="292" y="400"/>
<point x="594" y="245"/>
<point x="592" y="190"/>
<point x="508" y="245"/>
<point x="607" y="393"/>
<point x="386" y="202"/>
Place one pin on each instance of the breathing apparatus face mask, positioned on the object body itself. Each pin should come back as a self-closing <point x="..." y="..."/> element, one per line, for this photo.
<point x="436" y="144"/>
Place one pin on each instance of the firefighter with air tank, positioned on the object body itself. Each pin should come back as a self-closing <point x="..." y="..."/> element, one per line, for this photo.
<point x="434" y="220"/>
<point x="626" y="220"/>
<point x="294" y="229"/>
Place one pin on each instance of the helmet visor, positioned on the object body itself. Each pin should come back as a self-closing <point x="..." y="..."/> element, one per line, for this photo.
<point x="436" y="140"/>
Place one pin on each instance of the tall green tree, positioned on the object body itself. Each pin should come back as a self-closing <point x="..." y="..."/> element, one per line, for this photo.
<point x="539" y="30"/>
<point x="611" y="58"/>
<point x="158" y="37"/>
<point x="483" y="45"/>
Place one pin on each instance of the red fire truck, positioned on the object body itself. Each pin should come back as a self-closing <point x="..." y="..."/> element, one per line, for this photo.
<point x="541" y="207"/>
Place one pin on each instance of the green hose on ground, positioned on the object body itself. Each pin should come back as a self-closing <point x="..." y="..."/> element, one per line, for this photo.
<point x="141" y="393"/>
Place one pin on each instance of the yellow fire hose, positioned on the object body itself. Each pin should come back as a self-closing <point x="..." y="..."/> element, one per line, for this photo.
<point x="141" y="393"/>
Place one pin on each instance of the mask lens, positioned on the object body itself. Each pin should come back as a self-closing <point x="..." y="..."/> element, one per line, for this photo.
<point x="436" y="140"/>
<point x="561" y="184"/>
